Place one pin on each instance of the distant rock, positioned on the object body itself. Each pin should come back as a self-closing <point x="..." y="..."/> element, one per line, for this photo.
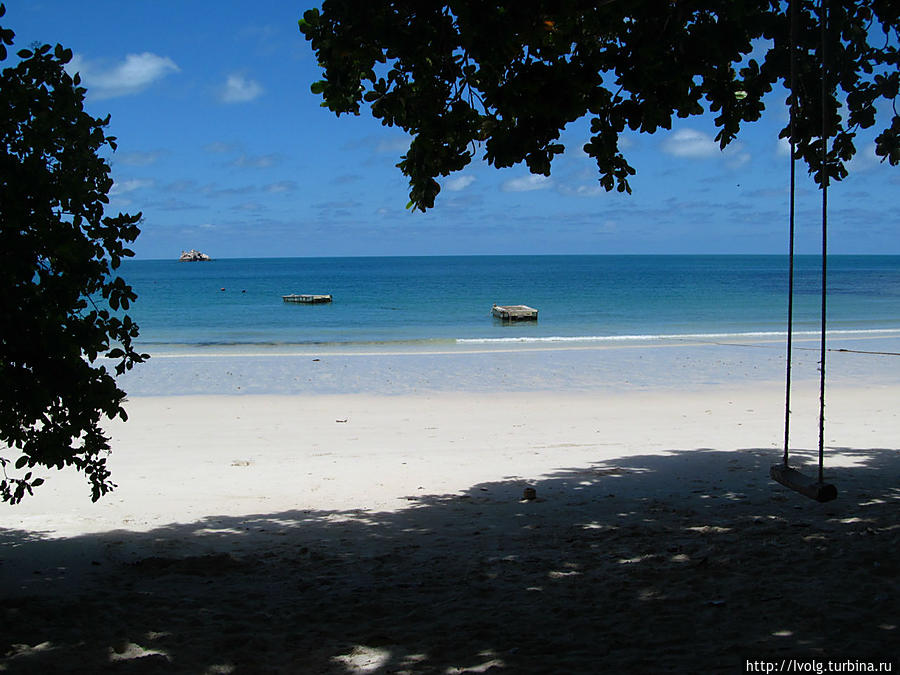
<point x="192" y="256"/>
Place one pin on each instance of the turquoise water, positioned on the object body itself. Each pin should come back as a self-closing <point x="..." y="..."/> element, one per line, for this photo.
<point x="409" y="301"/>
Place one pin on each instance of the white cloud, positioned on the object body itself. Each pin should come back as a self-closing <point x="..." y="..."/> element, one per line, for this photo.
<point x="458" y="183"/>
<point x="392" y="145"/>
<point x="592" y="190"/>
<point x="131" y="76"/>
<point x="690" y="143"/>
<point x="185" y="185"/>
<point x="138" y="158"/>
<point x="736" y="156"/>
<point x="219" y="147"/>
<point x="240" y="89"/>
<point x="607" y="227"/>
<point x="281" y="186"/>
<point x="784" y="148"/>
<point x="527" y="183"/>
<point x="738" y="160"/>
<point x="865" y="159"/>
<point x="255" y="162"/>
<point x="390" y="142"/>
<point x="125" y="186"/>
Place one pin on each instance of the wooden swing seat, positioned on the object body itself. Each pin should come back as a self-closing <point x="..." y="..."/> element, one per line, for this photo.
<point x="810" y="487"/>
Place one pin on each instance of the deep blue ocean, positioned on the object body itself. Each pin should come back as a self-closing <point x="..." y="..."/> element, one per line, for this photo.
<point x="413" y="301"/>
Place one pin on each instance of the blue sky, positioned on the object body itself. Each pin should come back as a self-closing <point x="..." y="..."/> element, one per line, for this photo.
<point x="224" y="149"/>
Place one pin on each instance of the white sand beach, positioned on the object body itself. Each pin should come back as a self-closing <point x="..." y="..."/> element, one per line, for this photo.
<point x="298" y="529"/>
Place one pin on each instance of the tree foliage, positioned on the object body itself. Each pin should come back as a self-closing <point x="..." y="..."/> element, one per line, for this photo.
<point x="60" y="295"/>
<point x="509" y="76"/>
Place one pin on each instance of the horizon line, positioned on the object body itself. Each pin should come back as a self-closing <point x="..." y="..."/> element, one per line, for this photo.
<point x="524" y="255"/>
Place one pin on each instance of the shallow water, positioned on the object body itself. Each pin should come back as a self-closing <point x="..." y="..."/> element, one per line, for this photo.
<point x="442" y="302"/>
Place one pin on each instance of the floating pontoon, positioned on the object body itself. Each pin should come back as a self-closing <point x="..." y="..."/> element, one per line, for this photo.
<point x="514" y="313"/>
<point x="307" y="299"/>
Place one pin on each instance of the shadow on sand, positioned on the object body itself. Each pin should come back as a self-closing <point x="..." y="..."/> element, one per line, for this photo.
<point x="646" y="564"/>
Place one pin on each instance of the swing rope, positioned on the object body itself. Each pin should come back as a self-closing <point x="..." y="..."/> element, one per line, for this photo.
<point x="825" y="180"/>
<point x="782" y="473"/>
<point x="790" y="308"/>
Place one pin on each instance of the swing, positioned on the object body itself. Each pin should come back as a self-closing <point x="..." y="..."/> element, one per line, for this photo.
<point x="814" y="488"/>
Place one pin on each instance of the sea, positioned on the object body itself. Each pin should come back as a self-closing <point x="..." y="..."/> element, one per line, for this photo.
<point x="434" y="302"/>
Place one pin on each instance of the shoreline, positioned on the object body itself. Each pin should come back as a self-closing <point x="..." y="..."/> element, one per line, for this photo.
<point x="438" y="346"/>
<point x="560" y="367"/>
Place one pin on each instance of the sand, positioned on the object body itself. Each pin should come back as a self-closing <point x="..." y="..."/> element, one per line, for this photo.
<point x="385" y="530"/>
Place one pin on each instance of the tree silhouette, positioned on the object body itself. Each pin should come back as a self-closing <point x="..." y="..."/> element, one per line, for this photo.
<point x="61" y="297"/>
<point x="509" y="76"/>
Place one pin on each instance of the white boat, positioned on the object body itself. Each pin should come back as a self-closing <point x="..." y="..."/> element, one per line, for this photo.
<point x="192" y="256"/>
